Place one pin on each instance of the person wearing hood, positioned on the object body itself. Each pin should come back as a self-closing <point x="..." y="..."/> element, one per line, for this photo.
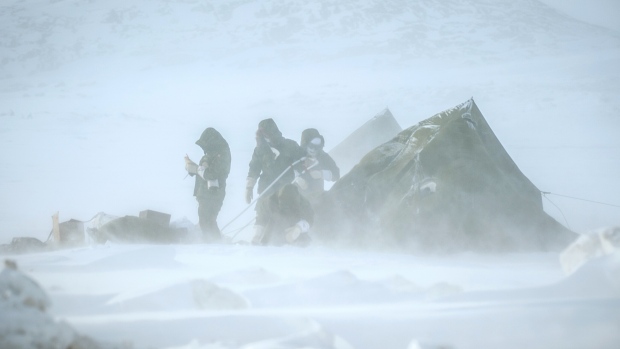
<point x="210" y="188"/>
<point x="289" y="218"/>
<point x="271" y="167"/>
<point x="319" y="166"/>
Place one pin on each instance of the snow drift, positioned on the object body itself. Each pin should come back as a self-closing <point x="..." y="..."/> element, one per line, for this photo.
<point x="24" y="322"/>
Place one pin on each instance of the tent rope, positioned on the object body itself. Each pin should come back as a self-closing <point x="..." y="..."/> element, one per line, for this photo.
<point x="559" y="209"/>
<point x="236" y="232"/>
<point x="265" y="191"/>
<point x="571" y="197"/>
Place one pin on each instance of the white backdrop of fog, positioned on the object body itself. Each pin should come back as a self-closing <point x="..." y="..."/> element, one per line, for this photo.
<point x="99" y="102"/>
<point x="604" y="13"/>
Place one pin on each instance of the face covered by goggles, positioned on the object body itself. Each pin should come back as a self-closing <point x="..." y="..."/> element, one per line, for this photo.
<point x="314" y="146"/>
<point x="267" y="137"/>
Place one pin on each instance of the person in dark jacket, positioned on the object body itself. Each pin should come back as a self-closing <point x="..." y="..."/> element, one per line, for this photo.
<point x="319" y="166"/>
<point x="210" y="187"/>
<point x="272" y="167"/>
<point x="289" y="218"/>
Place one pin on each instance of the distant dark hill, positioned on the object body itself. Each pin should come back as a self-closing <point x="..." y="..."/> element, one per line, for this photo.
<point x="444" y="184"/>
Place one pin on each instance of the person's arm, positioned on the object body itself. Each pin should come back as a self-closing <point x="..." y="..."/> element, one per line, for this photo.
<point x="327" y="170"/>
<point x="216" y="164"/>
<point x="254" y="172"/>
<point x="294" y="153"/>
<point x="190" y="166"/>
<point x="330" y="165"/>
<point x="256" y="165"/>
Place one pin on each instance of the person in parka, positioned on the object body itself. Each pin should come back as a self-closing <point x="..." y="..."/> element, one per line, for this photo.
<point x="210" y="187"/>
<point x="319" y="166"/>
<point x="271" y="166"/>
<point x="289" y="218"/>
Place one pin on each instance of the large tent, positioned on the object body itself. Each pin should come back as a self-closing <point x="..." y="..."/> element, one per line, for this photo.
<point x="444" y="184"/>
<point x="379" y="129"/>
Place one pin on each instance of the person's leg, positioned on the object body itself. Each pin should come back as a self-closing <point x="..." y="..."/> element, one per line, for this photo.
<point x="262" y="220"/>
<point x="208" y="209"/>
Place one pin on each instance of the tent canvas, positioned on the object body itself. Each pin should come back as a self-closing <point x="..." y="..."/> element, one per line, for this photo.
<point x="379" y="129"/>
<point x="446" y="183"/>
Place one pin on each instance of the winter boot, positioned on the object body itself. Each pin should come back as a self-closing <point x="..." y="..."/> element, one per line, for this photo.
<point x="259" y="235"/>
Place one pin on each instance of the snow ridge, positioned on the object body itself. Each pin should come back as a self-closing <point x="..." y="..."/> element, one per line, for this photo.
<point x="254" y="33"/>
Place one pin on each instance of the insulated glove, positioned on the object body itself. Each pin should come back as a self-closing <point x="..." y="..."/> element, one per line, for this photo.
<point x="249" y="189"/>
<point x="318" y="174"/>
<point x="301" y="183"/>
<point x="322" y="174"/>
<point x="293" y="232"/>
<point x="190" y="166"/>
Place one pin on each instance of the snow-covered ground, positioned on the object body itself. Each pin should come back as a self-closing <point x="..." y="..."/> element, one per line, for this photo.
<point x="100" y="101"/>
<point x="224" y="296"/>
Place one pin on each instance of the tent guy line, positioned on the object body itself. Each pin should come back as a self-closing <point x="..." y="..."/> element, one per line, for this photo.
<point x="572" y="197"/>
<point x="545" y="193"/>
<point x="559" y="209"/>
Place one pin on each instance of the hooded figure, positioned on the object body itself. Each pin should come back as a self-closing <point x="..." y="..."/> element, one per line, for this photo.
<point x="271" y="166"/>
<point x="210" y="187"/>
<point x="290" y="216"/>
<point x="319" y="166"/>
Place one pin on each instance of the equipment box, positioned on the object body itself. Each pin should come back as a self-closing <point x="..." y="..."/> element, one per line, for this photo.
<point x="160" y="218"/>
<point x="72" y="231"/>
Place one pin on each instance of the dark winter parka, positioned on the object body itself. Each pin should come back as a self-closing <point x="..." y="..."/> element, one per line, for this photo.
<point x="324" y="162"/>
<point x="216" y="161"/>
<point x="272" y="155"/>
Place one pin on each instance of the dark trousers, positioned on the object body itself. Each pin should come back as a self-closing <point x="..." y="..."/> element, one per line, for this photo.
<point x="209" y="207"/>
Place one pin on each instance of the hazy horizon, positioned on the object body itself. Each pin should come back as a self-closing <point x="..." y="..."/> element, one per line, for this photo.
<point x="101" y="102"/>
